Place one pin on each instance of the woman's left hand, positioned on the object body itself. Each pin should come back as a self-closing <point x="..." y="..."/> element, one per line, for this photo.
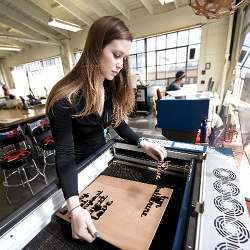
<point x="155" y="151"/>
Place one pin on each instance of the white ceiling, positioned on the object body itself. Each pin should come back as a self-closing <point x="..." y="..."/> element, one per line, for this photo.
<point x="24" y="23"/>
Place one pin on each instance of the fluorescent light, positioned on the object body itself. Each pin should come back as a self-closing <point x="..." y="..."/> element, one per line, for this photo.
<point x="166" y="1"/>
<point x="64" y="25"/>
<point x="8" y="48"/>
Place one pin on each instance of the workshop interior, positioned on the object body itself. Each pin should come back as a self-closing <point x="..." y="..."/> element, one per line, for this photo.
<point x="198" y="197"/>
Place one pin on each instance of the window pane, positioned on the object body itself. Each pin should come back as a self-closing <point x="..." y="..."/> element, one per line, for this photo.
<point x="151" y="59"/>
<point x="133" y="48"/>
<point x="180" y="66"/>
<point x="151" y="44"/>
<point x="132" y="61"/>
<point x="142" y="72"/>
<point x="161" y="57"/>
<point x="170" y="70"/>
<point x="140" y="46"/>
<point x="151" y="73"/>
<point x="42" y="76"/>
<point x="161" y="42"/>
<point x="77" y="56"/>
<point x="193" y="52"/>
<point x="21" y="81"/>
<point x="182" y="38"/>
<point x="161" y="72"/>
<point x="171" y="56"/>
<point x="194" y="36"/>
<point x="247" y="63"/>
<point x="171" y="40"/>
<point x="191" y="80"/>
<point x="192" y="69"/>
<point x="141" y="60"/>
<point x="181" y="54"/>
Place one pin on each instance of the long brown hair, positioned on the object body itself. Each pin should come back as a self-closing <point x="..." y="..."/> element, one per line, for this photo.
<point x="82" y="78"/>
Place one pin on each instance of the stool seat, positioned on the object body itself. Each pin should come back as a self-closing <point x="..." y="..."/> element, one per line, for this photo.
<point x="48" y="143"/>
<point x="15" y="158"/>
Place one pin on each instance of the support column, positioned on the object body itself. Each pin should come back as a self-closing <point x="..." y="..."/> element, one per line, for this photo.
<point x="6" y="74"/>
<point x="66" y="56"/>
<point x="236" y="50"/>
<point x="222" y="89"/>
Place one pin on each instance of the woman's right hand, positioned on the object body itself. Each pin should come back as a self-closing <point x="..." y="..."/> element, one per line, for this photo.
<point x="82" y="225"/>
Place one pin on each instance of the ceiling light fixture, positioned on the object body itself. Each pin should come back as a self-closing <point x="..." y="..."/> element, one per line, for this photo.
<point x="9" y="48"/>
<point x="166" y="1"/>
<point x="64" y="25"/>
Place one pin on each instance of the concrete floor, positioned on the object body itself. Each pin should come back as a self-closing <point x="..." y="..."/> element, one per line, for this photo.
<point x="20" y="195"/>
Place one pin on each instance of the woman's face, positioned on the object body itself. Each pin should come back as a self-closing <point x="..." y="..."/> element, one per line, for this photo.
<point x="112" y="57"/>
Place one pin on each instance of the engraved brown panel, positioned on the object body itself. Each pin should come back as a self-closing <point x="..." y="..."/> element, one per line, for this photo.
<point x="126" y="213"/>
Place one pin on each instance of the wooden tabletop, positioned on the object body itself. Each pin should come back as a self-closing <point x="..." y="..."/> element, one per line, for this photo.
<point x="10" y="117"/>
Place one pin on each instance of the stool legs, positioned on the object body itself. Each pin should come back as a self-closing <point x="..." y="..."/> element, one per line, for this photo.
<point x="21" y="178"/>
<point x="45" y="154"/>
<point x="22" y="174"/>
<point x="42" y="173"/>
<point x="6" y="188"/>
<point x="27" y="180"/>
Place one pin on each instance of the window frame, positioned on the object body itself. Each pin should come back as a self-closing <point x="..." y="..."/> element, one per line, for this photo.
<point x="147" y="51"/>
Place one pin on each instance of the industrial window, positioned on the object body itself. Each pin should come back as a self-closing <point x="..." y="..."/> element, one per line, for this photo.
<point x="159" y="57"/>
<point x="37" y="77"/>
<point x="77" y="56"/>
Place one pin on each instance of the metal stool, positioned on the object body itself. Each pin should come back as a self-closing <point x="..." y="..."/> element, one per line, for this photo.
<point x="16" y="157"/>
<point x="42" y="139"/>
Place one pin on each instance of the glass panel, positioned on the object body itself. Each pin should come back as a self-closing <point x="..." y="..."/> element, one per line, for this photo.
<point x="151" y="73"/>
<point x="192" y="69"/>
<point x="182" y="38"/>
<point x="151" y="60"/>
<point x="247" y="40"/>
<point x="142" y="72"/>
<point x="180" y="66"/>
<point x="193" y="52"/>
<point x="247" y="63"/>
<point x="161" y="57"/>
<point x="181" y="54"/>
<point x="194" y="36"/>
<point x="21" y="81"/>
<point x="151" y="44"/>
<point x="133" y="48"/>
<point x="170" y="70"/>
<point x="141" y="60"/>
<point x="171" y="56"/>
<point x="132" y="61"/>
<point x="171" y="40"/>
<point x="140" y="46"/>
<point x="242" y="55"/>
<point x="77" y="56"/>
<point x="42" y="75"/>
<point x="161" y="72"/>
<point x="191" y="80"/>
<point x="161" y="42"/>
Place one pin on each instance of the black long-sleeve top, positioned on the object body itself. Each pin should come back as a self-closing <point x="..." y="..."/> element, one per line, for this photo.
<point x="77" y="138"/>
<point x="172" y="87"/>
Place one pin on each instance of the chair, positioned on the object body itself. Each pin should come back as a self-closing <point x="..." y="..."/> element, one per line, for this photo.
<point x="15" y="158"/>
<point x="42" y="140"/>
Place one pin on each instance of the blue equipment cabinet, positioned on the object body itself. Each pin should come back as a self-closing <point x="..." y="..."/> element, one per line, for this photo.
<point x="181" y="116"/>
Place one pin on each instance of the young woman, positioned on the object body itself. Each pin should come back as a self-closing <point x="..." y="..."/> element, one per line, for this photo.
<point x="96" y="94"/>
